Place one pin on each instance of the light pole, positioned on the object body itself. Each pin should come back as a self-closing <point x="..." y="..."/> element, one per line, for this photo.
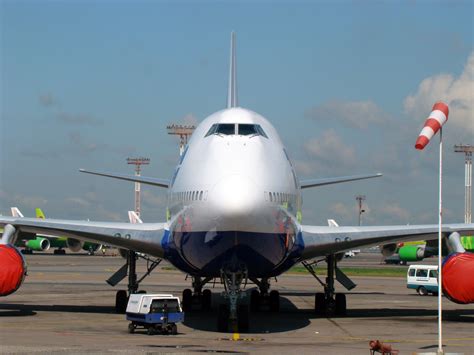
<point x="359" y="199"/>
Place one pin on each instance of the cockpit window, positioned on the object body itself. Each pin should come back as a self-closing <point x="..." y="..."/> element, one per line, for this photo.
<point x="222" y="128"/>
<point x="246" y="129"/>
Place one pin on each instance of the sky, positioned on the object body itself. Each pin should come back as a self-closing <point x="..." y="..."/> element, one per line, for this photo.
<point x="348" y="85"/>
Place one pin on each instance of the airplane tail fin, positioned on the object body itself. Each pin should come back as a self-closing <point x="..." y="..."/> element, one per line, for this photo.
<point x="16" y="212"/>
<point x="133" y="217"/>
<point x="39" y="213"/>
<point x="232" y="100"/>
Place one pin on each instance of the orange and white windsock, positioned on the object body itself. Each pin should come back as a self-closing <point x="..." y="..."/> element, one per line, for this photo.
<point x="437" y="118"/>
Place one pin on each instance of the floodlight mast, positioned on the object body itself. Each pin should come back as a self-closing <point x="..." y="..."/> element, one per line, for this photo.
<point x="467" y="149"/>
<point x="360" y="199"/>
<point x="138" y="162"/>
<point x="183" y="131"/>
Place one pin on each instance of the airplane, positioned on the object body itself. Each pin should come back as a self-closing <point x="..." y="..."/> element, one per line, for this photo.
<point x="44" y="242"/>
<point x="234" y="214"/>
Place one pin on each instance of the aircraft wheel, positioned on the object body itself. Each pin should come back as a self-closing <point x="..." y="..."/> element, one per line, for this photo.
<point x="174" y="329"/>
<point x="320" y="303"/>
<point x="274" y="301"/>
<point x="121" y="301"/>
<point x="206" y="300"/>
<point x="243" y="318"/>
<point x="223" y="318"/>
<point x="187" y="300"/>
<point x="254" y="300"/>
<point x="422" y="291"/>
<point x="341" y="306"/>
<point x="150" y="331"/>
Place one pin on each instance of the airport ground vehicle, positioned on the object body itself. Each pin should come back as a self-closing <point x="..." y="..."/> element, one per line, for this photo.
<point x="157" y="313"/>
<point x="423" y="279"/>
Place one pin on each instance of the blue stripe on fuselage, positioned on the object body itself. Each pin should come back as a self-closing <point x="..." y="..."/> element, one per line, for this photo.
<point x="206" y="253"/>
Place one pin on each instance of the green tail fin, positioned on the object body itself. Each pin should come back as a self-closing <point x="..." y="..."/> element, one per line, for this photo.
<point x="39" y="213"/>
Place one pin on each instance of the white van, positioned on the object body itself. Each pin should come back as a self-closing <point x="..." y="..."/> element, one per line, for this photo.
<point x="423" y="279"/>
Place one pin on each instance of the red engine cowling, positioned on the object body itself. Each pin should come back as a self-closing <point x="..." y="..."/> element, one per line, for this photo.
<point x="458" y="283"/>
<point x="12" y="269"/>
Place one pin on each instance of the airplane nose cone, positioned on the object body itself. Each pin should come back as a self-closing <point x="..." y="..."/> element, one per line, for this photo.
<point x="234" y="198"/>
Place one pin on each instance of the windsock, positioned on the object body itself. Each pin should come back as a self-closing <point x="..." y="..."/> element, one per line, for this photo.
<point x="437" y="118"/>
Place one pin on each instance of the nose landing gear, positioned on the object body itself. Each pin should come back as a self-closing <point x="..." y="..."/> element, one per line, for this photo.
<point x="233" y="316"/>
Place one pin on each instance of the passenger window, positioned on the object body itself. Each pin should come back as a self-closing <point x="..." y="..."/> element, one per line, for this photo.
<point x="421" y="273"/>
<point x="434" y="274"/>
<point x="411" y="272"/>
<point x="200" y="196"/>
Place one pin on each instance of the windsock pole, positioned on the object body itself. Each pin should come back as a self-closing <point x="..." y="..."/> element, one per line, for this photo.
<point x="434" y="123"/>
<point x="440" y="224"/>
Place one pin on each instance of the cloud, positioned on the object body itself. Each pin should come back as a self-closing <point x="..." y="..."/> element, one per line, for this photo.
<point x="152" y="200"/>
<point x="77" y="119"/>
<point x="21" y="201"/>
<point x="78" y="141"/>
<point x="330" y="149"/>
<point x="47" y="100"/>
<point x="190" y="119"/>
<point x="359" y="114"/>
<point x="393" y="212"/>
<point x="457" y="92"/>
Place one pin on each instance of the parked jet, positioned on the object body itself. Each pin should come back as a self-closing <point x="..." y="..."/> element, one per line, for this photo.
<point x="44" y="242"/>
<point x="234" y="213"/>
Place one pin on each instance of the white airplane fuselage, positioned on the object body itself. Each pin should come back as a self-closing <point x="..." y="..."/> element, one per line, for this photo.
<point x="234" y="201"/>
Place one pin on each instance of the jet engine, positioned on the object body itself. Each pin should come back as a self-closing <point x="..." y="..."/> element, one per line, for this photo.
<point x="12" y="269"/>
<point x="74" y="244"/>
<point x="38" y="244"/>
<point x="416" y="253"/>
<point x="92" y="247"/>
<point x="458" y="283"/>
<point x="388" y="249"/>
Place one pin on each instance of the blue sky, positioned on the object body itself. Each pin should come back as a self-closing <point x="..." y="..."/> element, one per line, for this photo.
<point x="85" y="84"/>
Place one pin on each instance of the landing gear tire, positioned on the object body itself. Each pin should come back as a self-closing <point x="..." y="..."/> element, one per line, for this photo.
<point x="59" y="252"/>
<point x="274" y="301"/>
<point x="341" y="306"/>
<point x="320" y="303"/>
<point x="254" y="300"/>
<point x="422" y="291"/>
<point x="206" y="300"/>
<point x="150" y="331"/>
<point x="121" y="300"/>
<point x="187" y="299"/>
<point x="174" y="329"/>
<point x="243" y="318"/>
<point x="223" y="318"/>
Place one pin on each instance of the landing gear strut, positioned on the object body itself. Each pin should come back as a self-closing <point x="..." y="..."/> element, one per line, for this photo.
<point x="197" y="295"/>
<point x="330" y="303"/>
<point x="233" y="315"/>
<point x="261" y="297"/>
<point x="130" y="269"/>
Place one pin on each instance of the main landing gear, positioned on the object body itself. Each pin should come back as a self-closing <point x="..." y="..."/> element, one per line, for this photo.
<point x="261" y="297"/>
<point x="330" y="303"/>
<point x="198" y="296"/>
<point x="130" y="269"/>
<point x="233" y="316"/>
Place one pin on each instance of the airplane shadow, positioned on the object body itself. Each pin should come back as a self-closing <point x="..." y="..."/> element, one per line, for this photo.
<point x="19" y="309"/>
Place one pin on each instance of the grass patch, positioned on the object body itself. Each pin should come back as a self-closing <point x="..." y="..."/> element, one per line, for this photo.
<point x="359" y="271"/>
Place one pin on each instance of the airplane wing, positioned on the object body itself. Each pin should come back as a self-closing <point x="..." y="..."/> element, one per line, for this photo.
<point x="322" y="240"/>
<point x="133" y="178"/>
<point x="145" y="237"/>
<point x="335" y="180"/>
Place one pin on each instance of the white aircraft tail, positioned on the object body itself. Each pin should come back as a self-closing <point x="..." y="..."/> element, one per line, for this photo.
<point x="16" y="212"/>
<point x="232" y="100"/>
<point x="332" y="223"/>
<point x="133" y="217"/>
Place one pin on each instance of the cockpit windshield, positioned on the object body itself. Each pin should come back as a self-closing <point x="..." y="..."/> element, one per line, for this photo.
<point x="243" y="129"/>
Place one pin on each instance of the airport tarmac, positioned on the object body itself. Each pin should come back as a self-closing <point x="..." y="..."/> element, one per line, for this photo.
<point x="66" y="306"/>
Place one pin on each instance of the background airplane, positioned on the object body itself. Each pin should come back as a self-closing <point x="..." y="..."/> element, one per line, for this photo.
<point x="45" y="242"/>
<point x="234" y="204"/>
